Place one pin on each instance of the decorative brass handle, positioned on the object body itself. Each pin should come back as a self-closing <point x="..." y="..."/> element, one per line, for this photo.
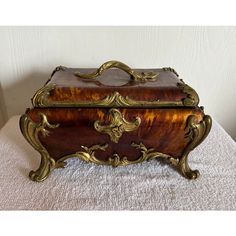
<point x="117" y="126"/>
<point x="142" y="77"/>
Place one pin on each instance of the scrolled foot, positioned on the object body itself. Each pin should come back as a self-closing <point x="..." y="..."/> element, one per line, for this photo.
<point x="185" y="170"/>
<point x="196" y="132"/>
<point x="191" y="174"/>
<point x="47" y="165"/>
<point x="37" y="176"/>
<point x="31" y="130"/>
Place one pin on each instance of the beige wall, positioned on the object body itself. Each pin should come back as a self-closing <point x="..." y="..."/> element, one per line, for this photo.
<point x="205" y="57"/>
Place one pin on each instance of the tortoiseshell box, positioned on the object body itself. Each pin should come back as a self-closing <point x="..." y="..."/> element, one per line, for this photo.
<point x="115" y="116"/>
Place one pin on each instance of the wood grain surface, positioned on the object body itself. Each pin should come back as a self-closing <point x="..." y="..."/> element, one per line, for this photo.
<point x="71" y="88"/>
<point x="162" y="129"/>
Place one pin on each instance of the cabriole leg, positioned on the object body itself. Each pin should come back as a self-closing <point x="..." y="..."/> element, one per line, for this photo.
<point x="47" y="164"/>
<point x="30" y="130"/>
<point x="197" y="132"/>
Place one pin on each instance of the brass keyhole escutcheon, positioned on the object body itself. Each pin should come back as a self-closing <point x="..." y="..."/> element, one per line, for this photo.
<point x="118" y="125"/>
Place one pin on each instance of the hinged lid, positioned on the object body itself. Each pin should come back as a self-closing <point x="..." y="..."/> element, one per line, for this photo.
<point x="120" y="87"/>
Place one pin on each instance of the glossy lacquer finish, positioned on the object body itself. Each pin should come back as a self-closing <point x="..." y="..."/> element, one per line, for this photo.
<point x="71" y="88"/>
<point x="162" y="129"/>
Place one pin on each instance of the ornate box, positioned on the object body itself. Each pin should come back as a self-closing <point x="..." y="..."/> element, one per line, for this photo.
<point x="116" y="116"/>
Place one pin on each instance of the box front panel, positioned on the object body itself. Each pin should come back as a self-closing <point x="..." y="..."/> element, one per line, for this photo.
<point x="162" y="129"/>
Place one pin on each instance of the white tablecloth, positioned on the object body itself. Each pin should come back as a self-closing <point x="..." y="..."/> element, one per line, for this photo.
<point x="147" y="186"/>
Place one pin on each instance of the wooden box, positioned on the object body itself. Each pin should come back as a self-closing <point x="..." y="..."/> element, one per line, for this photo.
<point x="116" y="116"/>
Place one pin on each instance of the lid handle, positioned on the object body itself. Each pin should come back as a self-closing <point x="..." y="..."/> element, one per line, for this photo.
<point x="141" y="77"/>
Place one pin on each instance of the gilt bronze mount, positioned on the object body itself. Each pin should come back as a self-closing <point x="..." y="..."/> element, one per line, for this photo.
<point x="196" y="132"/>
<point x="40" y="99"/>
<point x="118" y="125"/>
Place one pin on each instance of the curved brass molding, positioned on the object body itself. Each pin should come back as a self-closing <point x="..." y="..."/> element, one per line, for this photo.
<point x="143" y="77"/>
<point x="118" y="125"/>
<point x="40" y="99"/>
<point x="150" y="154"/>
<point x="192" y="98"/>
<point x="115" y="160"/>
<point x="58" y="68"/>
<point x="171" y="70"/>
<point x="196" y="132"/>
<point x="30" y="130"/>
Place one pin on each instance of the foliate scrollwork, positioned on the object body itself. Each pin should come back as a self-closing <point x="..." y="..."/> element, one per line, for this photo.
<point x="88" y="155"/>
<point x="150" y="153"/>
<point x="118" y="125"/>
<point x="40" y="99"/>
<point x="31" y="130"/>
<point x="196" y="133"/>
<point x="192" y="98"/>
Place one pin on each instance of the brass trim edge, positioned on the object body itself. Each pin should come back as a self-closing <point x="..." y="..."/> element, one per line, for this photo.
<point x="58" y="68"/>
<point x="171" y="70"/>
<point x="40" y="99"/>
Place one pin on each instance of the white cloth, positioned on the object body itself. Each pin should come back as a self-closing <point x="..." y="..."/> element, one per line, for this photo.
<point x="147" y="186"/>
